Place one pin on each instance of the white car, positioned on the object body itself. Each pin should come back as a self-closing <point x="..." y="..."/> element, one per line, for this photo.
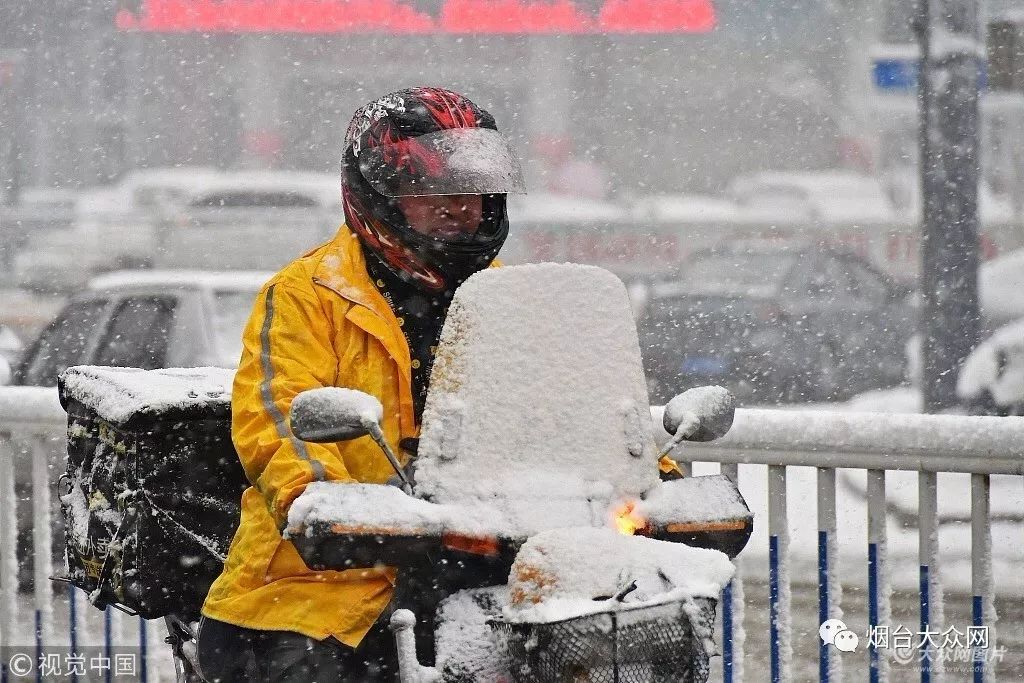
<point x="1001" y="288"/>
<point x="828" y="197"/>
<point x="991" y="380"/>
<point x="146" y="319"/>
<point x="185" y="218"/>
<point x="251" y="220"/>
<point x="110" y="228"/>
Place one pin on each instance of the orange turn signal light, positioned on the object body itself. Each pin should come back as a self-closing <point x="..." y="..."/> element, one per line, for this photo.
<point x="486" y="546"/>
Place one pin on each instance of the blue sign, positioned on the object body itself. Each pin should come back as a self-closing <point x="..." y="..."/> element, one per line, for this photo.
<point x="900" y="74"/>
<point x="894" y="74"/>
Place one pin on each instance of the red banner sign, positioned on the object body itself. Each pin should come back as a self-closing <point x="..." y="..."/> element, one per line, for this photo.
<point x="394" y="16"/>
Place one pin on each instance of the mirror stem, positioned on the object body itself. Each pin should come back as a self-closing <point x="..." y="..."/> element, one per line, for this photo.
<point x="377" y="435"/>
<point x="688" y="427"/>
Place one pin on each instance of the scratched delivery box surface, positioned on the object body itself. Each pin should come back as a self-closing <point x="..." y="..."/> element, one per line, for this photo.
<point x="152" y="488"/>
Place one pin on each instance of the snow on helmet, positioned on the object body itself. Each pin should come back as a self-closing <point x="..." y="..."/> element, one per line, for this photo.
<point x="426" y="141"/>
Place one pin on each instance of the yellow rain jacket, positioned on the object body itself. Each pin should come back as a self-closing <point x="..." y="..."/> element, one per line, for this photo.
<point x="319" y="322"/>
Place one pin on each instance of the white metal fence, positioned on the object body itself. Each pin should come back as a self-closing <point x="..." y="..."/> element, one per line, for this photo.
<point x="928" y="445"/>
<point x="32" y="441"/>
<point x="55" y="619"/>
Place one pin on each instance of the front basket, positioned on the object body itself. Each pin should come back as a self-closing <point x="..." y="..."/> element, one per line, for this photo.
<point x="657" y="643"/>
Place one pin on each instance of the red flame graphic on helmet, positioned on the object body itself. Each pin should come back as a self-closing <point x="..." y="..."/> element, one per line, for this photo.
<point x="377" y="237"/>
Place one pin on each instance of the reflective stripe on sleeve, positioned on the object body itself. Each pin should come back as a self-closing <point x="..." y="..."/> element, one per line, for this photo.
<point x="283" y="430"/>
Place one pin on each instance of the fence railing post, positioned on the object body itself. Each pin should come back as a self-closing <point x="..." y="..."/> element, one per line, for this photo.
<point x="8" y="542"/>
<point x="733" y="610"/>
<point x="778" y="576"/>
<point x="878" y="578"/>
<point x="983" y="598"/>
<point x="42" y="541"/>
<point x="931" y="588"/>
<point x="829" y="586"/>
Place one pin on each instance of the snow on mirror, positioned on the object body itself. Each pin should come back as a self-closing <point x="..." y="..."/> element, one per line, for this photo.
<point x="700" y="414"/>
<point x="334" y="414"/>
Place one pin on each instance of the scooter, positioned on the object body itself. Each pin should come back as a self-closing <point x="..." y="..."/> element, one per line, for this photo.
<point x="482" y="631"/>
<point x="534" y="512"/>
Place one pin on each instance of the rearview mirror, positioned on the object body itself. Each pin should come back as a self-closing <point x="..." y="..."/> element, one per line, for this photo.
<point x="700" y="414"/>
<point x="333" y="414"/>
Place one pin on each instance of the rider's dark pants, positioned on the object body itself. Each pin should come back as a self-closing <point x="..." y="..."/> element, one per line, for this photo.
<point x="229" y="653"/>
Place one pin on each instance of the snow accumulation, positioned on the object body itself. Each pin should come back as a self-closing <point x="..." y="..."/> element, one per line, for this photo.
<point x="25" y="405"/>
<point x="996" y="366"/>
<point x="346" y="405"/>
<point x="769" y="433"/>
<point x="710" y="407"/>
<point x="905" y="436"/>
<point x="894" y="400"/>
<point x="541" y="391"/>
<point x="239" y="280"/>
<point x="374" y="507"/>
<point x="537" y="418"/>
<point x="466" y="643"/>
<point x="692" y="499"/>
<point x="686" y="208"/>
<point x="564" y="573"/>
<point x="118" y="394"/>
<point x="547" y="207"/>
<point x="828" y="197"/>
<point x="1001" y="287"/>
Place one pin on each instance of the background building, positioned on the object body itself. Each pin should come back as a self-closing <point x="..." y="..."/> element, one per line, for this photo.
<point x="757" y="87"/>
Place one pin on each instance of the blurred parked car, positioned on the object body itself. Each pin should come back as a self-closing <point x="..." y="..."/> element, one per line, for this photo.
<point x="11" y="345"/>
<point x="38" y="210"/>
<point x="1001" y="289"/>
<point x="824" y="196"/>
<point x="146" y="319"/>
<point x="251" y="221"/>
<point x="142" y="319"/>
<point x="993" y="369"/>
<point x="185" y="218"/>
<point x="111" y="228"/>
<point x="991" y="380"/>
<point x="776" y="323"/>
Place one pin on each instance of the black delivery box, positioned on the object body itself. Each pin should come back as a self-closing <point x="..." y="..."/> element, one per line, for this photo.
<point x="151" y="496"/>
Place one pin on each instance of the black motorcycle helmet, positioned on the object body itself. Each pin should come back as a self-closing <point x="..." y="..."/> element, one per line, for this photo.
<point x="426" y="141"/>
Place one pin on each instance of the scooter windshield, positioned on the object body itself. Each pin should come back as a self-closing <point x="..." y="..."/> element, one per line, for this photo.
<point x="452" y="161"/>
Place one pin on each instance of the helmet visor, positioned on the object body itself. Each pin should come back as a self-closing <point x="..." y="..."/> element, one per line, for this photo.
<point x="451" y="161"/>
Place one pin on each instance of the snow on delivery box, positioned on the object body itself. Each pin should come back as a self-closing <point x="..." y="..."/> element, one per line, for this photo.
<point x="152" y="486"/>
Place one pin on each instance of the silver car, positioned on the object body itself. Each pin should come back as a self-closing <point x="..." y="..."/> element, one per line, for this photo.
<point x="146" y="319"/>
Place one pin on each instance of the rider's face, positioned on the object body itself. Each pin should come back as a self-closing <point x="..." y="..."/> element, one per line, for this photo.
<point x="444" y="216"/>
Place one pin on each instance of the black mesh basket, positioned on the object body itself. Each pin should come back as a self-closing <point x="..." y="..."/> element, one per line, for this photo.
<point x="650" y="644"/>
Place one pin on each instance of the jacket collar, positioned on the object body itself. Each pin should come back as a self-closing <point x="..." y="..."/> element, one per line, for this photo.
<point x="342" y="270"/>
